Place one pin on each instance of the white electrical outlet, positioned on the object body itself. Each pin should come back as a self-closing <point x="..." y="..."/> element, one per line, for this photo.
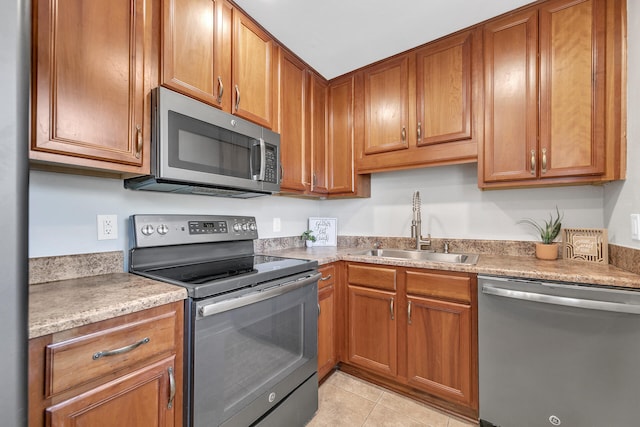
<point x="107" y="227"/>
<point x="277" y="225"/>
<point x="635" y="226"/>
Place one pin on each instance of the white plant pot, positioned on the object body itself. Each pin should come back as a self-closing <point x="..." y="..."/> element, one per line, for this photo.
<point x="309" y="243"/>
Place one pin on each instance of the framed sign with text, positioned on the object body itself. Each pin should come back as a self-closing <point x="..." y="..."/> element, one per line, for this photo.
<point x="586" y="244"/>
<point x="325" y="230"/>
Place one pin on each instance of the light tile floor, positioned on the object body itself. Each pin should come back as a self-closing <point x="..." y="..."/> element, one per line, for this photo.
<point x="346" y="401"/>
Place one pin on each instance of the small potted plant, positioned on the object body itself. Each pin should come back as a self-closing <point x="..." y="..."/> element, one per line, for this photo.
<point x="308" y="237"/>
<point x="547" y="249"/>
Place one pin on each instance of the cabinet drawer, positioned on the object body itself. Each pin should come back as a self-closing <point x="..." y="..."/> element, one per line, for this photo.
<point x="88" y="357"/>
<point x="328" y="276"/>
<point x="439" y="285"/>
<point x="372" y="277"/>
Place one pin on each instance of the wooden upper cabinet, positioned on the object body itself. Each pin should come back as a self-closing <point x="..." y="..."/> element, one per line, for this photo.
<point x="294" y="141"/>
<point x="511" y="97"/>
<point x="318" y="124"/>
<point x="253" y="71"/>
<point x="443" y="90"/>
<point x="93" y="69"/>
<point x="572" y="84"/>
<point x="422" y="107"/>
<point x="554" y="110"/>
<point x="341" y="140"/>
<point x="386" y="103"/>
<point x="197" y="62"/>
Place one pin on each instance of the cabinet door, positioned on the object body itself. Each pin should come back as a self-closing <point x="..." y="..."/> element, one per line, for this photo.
<point x="318" y="117"/>
<point x="572" y="88"/>
<point x="253" y="74"/>
<point x="386" y="106"/>
<point x="511" y="98"/>
<point x="143" y="398"/>
<point x="443" y="91"/>
<point x="91" y="84"/>
<point x="326" y="331"/>
<point x="372" y="336"/>
<point x="341" y="138"/>
<point x="294" y="143"/>
<point x="198" y="62"/>
<point x="439" y="348"/>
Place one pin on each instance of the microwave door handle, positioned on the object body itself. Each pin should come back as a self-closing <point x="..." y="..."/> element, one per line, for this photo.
<point x="263" y="158"/>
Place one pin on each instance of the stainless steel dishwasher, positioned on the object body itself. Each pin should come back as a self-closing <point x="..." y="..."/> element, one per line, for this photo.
<point x="557" y="354"/>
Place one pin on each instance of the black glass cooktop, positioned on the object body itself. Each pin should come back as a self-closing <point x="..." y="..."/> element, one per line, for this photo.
<point x="211" y="278"/>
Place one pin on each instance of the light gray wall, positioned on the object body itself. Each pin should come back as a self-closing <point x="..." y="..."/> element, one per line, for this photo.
<point x="454" y="207"/>
<point x="623" y="198"/>
<point x="63" y="210"/>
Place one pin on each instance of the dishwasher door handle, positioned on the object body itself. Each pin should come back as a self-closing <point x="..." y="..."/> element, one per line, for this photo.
<point x="560" y="300"/>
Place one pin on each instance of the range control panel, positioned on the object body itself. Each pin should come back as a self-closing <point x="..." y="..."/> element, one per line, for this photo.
<point x="165" y="230"/>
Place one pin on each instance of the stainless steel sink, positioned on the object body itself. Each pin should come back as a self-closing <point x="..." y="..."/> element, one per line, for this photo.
<point x="420" y="255"/>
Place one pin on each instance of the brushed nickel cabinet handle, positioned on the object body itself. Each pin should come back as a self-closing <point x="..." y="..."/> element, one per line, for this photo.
<point x="138" y="141"/>
<point x="544" y="160"/>
<point x="404" y="134"/>
<point x="391" y="309"/>
<point x="533" y="162"/>
<point x="106" y="353"/>
<point x="409" y="311"/>
<point x="319" y="310"/>
<point x="322" y="279"/>
<point x="237" y="97"/>
<point x="419" y="131"/>
<point x="172" y="388"/>
<point x="220" y="90"/>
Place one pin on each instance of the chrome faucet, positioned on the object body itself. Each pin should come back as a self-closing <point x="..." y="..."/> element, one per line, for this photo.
<point x="416" y="224"/>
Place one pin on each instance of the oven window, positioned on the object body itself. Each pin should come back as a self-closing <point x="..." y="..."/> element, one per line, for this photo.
<point x="243" y="355"/>
<point x="196" y="145"/>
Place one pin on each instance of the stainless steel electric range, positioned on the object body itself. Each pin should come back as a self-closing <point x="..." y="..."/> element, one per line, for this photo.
<point x="250" y="320"/>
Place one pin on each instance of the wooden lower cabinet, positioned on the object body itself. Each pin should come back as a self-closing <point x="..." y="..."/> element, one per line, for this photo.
<point x="137" y="399"/>
<point x="327" y="337"/>
<point x="438" y="348"/>
<point x="372" y="335"/>
<point x="125" y="371"/>
<point x="415" y="331"/>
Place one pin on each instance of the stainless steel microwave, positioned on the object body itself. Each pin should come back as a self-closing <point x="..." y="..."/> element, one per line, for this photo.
<point x="198" y="149"/>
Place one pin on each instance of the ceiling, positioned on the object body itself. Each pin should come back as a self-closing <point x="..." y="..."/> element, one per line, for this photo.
<point x="338" y="36"/>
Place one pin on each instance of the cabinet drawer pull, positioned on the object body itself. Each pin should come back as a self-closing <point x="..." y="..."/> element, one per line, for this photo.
<point x="318" y="309"/>
<point x="404" y="134"/>
<point x="172" y="388"/>
<point x="544" y="160"/>
<point x="409" y="312"/>
<point x="533" y="162"/>
<point x="391" y="309"/>
<point x="237" y="97"/>
<point x="220" y="90"/>
<point x="419" y="131"/>
<point x="117" y="351"/>
<point x="138" y="141"/>
<point x="322" y="279"/>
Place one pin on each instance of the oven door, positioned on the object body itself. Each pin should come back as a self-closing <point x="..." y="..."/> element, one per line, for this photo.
<point x="251" y="352"/>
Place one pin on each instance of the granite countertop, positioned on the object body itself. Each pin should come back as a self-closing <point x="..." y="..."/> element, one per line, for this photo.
<point x="498" y="265"/>
<point x="66" y="304"/>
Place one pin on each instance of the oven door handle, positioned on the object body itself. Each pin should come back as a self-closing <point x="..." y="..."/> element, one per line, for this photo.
<point x="222" y="306"/>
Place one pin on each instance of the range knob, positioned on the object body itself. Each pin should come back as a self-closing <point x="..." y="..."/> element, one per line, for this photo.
<point x="236" y="227"/>
<point x="252" y="226"/>
<point x="163" y="229"/>
<point x="245" y="227"/>
<point x="147" y="230"/>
